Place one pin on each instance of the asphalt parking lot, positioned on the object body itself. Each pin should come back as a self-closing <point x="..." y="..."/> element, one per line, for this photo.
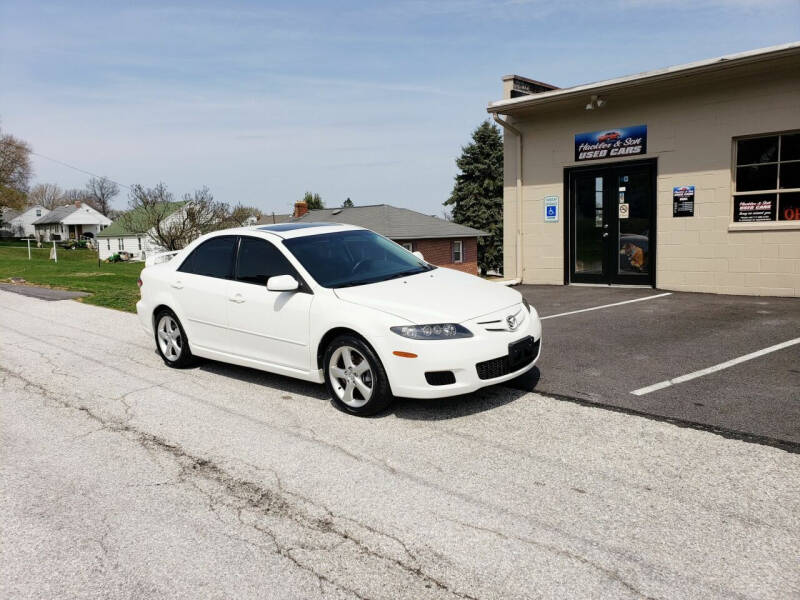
<point x="121" y="478"/>
<point x="629" y="355"/>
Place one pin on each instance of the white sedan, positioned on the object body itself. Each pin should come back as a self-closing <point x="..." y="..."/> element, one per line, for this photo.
<point x="341" y="305"/>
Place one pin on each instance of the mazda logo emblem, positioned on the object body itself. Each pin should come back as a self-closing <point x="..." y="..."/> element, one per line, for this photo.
<point x="512" y="322"/>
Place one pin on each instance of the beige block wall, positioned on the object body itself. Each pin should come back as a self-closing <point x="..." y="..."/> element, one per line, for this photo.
<point x="690" y="130"/>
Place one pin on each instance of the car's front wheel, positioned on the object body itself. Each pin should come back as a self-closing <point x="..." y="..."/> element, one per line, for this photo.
<point x="355" y="377"/>
<point x="171" y="341"/>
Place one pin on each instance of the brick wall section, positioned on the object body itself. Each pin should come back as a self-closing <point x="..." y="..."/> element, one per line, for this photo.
<point x="440" y="253"/>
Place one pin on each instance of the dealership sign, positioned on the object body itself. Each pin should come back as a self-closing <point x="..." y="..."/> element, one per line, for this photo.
<point x="611" y="143"/>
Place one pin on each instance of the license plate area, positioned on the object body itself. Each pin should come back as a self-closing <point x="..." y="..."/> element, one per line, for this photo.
<point x="520" y="353"/>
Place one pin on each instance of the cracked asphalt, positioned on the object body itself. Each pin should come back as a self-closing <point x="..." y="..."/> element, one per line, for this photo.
<point x="120" y="478"/>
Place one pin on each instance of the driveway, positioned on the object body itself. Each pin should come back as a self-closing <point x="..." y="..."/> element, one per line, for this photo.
<point x="726" y="363"/>
<point x="121" y="478"/>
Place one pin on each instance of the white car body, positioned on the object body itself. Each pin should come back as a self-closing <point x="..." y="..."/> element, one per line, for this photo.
<point x="286" y="332"/>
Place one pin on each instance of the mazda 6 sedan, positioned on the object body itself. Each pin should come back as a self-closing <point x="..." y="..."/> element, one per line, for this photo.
<point x="339" y="305"/>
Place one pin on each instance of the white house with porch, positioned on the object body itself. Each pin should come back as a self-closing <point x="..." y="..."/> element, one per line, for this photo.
<point x="71" y="221"/>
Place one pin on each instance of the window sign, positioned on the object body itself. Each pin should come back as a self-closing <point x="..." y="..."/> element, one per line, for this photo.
<point x="611" y="143"/>
<point x="551" y="209"/>
<point x="767" y="172"/>
<point x="683" y="201"/>
<point x="751" y="209"/>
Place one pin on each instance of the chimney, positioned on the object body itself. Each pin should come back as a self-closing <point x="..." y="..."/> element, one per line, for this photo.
<point x="300" y="208"/>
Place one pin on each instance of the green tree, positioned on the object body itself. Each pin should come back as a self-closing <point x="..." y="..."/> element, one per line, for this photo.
<point x="314" y="201"/>
<point x="477" y="196"/>
<point x="348" y="203"/>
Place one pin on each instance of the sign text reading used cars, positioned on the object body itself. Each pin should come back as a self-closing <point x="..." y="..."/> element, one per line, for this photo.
<point x="611" y="143"/>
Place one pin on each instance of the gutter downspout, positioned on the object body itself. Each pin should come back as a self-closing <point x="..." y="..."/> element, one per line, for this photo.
<point x="518" y="195"/>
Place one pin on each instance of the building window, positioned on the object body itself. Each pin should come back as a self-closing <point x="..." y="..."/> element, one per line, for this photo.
<point x="120" y="245"/>
<point x="139" y="241"/>
<point x="38" y="212"/>
<point x="108" y="243"/>
<point x="408" y="246"/>
<point x="458" y="251"/>
<point x="767" y="178"/>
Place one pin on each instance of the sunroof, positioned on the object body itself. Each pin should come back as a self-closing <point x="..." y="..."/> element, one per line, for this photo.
<point x="292" y="226"/>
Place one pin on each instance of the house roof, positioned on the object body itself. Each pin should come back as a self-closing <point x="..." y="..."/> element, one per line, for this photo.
<point x="393" y="222"/>
<point x="714" y="64"/>
<point x="272" y="219"/>
<point x="9" y="214"/>
<point x="137" y="225"/>
<point x="58" y="214"/>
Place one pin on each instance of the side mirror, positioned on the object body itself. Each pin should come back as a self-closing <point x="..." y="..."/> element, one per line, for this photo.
<point x="418" y="254"/>
<point x="282" y="283"/>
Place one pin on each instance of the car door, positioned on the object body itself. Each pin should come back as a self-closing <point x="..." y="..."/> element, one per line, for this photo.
<point x="200" y="286"/>
<point x="269" y="327"/>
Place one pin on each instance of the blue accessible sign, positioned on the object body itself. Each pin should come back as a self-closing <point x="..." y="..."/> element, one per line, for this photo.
<point x="551" y="209"/>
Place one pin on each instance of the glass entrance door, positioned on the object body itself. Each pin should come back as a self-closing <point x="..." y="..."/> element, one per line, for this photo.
<point x="612" y="217"/>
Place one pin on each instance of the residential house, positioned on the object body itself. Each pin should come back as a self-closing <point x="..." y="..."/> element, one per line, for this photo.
<point x="441" y="242"/>
<point x="6" y="216"/>
<point x="132" y="235"/>
<point x="20" y="224"/>
<point x="71" y="221"/>
<point x="273" y="219"/>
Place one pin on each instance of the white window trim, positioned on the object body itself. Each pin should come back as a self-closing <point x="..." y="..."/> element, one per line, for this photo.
<point x="120" y="244"/>
<point x="460" y="252"/>
<point x="777" y="224"/>
<point x="408" y="246"/>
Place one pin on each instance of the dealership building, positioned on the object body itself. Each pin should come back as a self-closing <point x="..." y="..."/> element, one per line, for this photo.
<point x="684" y="178"/>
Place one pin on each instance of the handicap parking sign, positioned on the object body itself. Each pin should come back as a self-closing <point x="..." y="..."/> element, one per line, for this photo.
<point x="551" y="209"/>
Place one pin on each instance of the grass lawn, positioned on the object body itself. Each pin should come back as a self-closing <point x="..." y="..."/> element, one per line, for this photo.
<point x="111" y="285"/>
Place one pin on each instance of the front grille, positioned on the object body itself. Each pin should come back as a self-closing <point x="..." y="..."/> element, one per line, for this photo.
<point x="497" y="367"/>
<point x="440" y="377"/>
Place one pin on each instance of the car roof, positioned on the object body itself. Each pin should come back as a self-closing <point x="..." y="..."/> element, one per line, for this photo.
<point x="286" y="230"/>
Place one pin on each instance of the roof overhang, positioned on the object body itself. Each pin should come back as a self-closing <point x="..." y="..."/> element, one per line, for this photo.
<point x="649" y="77"/>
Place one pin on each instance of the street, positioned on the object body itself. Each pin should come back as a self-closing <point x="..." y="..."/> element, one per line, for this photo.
<point x="122" y="478"/>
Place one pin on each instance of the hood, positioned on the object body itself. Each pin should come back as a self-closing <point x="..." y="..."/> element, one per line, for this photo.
<point x="439" y="296"/>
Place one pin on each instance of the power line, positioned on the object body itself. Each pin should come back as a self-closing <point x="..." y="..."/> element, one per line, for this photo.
<point x="74" y="168"/>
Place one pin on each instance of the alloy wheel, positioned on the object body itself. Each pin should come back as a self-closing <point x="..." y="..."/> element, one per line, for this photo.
<point x="351" y="376"/>
<point x="169" y="338"/>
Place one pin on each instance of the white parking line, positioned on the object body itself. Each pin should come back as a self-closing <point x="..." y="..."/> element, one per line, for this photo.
<point x="730" y="363"/>
<point x="574" y="312"/>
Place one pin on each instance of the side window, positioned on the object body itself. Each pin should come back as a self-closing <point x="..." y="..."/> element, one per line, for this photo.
<point x="259" y="260"/>
<point x="213" y="258"/>
<point x="458" y="255"/>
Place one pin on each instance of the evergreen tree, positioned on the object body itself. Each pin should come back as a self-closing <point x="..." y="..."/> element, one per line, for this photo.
<point x="477" y="196"/>
<point x="314" y="201"/>
<point x="347" y="203"/>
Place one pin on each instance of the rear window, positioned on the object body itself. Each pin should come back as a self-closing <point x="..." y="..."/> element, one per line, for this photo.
<point x="258" y="260"/>
<point x="213" y="258"/>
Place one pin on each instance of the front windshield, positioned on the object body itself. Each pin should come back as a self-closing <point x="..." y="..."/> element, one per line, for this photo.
<point x="347" y="258"/>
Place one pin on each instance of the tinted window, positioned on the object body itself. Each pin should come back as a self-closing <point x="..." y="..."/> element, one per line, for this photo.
<point x="213" y="258"/>
<point x="353" y="258"/>
<point x="259" y="260"/>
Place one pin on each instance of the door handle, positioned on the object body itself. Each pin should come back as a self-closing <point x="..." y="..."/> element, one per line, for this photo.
<point x="238" y="298"/>
<point x="177" y="284"/>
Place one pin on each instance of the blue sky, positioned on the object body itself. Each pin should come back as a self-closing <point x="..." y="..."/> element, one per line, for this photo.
<point x="261" y="101"/>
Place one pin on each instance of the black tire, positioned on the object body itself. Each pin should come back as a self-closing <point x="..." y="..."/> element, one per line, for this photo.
<point x="380" y="395"/>
<point x="175" y="356"/>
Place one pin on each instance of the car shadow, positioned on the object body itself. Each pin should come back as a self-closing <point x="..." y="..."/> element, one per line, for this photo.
<point x="290" y="385"/>
<point x="440" y="409"/>
<point x="455" y="407"/>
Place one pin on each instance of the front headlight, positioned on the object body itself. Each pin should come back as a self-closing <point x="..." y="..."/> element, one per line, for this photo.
<point x="436" y="331"/>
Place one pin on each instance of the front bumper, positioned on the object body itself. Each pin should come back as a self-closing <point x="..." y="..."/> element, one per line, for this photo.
<point x="460" y="356"/>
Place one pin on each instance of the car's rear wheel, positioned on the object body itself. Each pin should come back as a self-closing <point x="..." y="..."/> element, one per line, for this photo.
<point x="171" y="341"/>
<point x="355" y="377"/>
